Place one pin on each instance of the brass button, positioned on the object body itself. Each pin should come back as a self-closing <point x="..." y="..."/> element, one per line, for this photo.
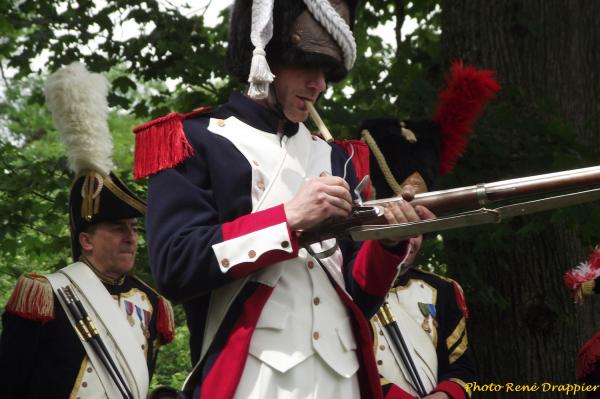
<point x="382" y="347"/>
<point x="221" y="122"/>
<point x="84" y="384"/>
<point x="316" y="335"/>
<point x="316" y="301"/>
<point x="89" y="370"/>
<point x="295" y="39"/>
<point x="225" y="263"/>
<point x="251" y="254"/>
<point x="260" y="185"/>
<point x="380" y="362"/>
<point x="285" y="244"/>
<point x="310" y="264"/>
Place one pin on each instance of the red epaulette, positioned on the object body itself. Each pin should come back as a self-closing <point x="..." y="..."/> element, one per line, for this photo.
<point x="468" y="92"/>
<point x="161" y="144"/>
<point x="359" y="150"/>
<point x="588" y="357"/>
<point x="460" y="299"/>
<point x="165" y="323"/>
<point x="32" y="298"/>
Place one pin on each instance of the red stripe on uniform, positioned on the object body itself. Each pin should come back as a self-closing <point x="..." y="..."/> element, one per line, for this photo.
<point x="454" y="390"/>
<point x="224" y="376"/>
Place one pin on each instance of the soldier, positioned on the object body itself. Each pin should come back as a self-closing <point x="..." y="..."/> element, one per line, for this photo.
<point x="583" y="281"/>
<point x="42" y="353"/>
<point x="430" y="310"/>
<point x="232" y="188"/>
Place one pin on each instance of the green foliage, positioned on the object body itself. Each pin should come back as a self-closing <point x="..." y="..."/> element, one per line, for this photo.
<point x="174" y="362"/>
<point x="169" y="47"/>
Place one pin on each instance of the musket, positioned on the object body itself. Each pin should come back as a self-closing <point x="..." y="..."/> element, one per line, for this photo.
<point x="466" y="206"/>
<point x="388" y="321"/>
<point x="88" y="332"/>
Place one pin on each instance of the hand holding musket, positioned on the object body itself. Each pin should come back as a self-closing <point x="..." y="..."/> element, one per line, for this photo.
<point x="478" y="204"/>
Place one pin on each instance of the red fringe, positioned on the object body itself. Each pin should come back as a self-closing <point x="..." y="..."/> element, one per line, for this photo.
<point x="460" y="104"/>
<point x="360" y="160"/>
<point x="588" y="357"/>
<point x="460" y="299"/>
<point x="161" y="144"/>
<point x="32" y="298"/>
<point x="165" y="325"/>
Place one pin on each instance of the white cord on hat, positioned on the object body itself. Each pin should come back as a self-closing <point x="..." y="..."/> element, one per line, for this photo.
<point x="335" y="25"/>
<point x="262" y="31"/>
<point x="260" y="75"/>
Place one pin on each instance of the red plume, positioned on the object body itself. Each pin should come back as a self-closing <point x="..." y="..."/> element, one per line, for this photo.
<point x="584" y="272"/>
<point x="460" y="104"/>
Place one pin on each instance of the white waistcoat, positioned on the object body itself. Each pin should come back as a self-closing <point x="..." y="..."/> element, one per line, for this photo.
<point x="304" y="315"/>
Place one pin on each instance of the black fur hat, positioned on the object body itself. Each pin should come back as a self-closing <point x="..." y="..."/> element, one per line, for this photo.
<point x="410" y="147"/>
<point x="283" y="49"/>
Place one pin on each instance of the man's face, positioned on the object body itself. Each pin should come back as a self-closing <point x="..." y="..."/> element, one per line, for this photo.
<point x="293" y="86"/>
<point x="111" y="246"/>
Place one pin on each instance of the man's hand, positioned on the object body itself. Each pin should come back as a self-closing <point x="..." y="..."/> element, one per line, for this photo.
<point x="319" y="199"/>
<point x="403" y="212"/>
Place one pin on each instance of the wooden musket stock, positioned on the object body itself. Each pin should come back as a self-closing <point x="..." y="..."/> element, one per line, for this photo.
<point x="480" y="197"/>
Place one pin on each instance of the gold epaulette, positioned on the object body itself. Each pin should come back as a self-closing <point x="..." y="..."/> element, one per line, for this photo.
<point x="32" y="298"/>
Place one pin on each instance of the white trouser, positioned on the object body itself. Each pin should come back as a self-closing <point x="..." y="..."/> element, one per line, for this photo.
<point x="311" y="379"/>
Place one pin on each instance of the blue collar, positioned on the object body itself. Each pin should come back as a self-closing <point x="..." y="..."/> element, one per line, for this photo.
<point x="256" y="115"/>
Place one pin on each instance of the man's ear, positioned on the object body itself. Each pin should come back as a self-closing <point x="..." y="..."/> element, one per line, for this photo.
<point x="85" y="241"/>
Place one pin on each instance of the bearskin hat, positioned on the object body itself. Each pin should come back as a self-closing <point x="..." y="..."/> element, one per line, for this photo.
<point x="297" y="38"/>
<point x="411" y="150"/>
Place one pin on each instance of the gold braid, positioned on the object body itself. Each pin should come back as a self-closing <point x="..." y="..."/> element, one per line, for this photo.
<point x="383" y="165"/>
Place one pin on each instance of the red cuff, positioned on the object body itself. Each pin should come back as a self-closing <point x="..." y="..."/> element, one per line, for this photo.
<point x="253" y="222"/>
<point x="454" y="390"/>
<point x="375" y="268"/>
<point x="395" y="392"/>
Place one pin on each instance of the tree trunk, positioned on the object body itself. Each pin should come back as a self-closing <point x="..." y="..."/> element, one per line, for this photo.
<point x="523" y="326"/>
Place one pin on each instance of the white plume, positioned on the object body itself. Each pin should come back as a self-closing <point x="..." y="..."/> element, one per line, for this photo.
<point x="77" y="100"/>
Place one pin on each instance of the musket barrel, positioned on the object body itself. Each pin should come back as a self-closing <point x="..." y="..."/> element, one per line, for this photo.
<point x="444" y="202"/>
